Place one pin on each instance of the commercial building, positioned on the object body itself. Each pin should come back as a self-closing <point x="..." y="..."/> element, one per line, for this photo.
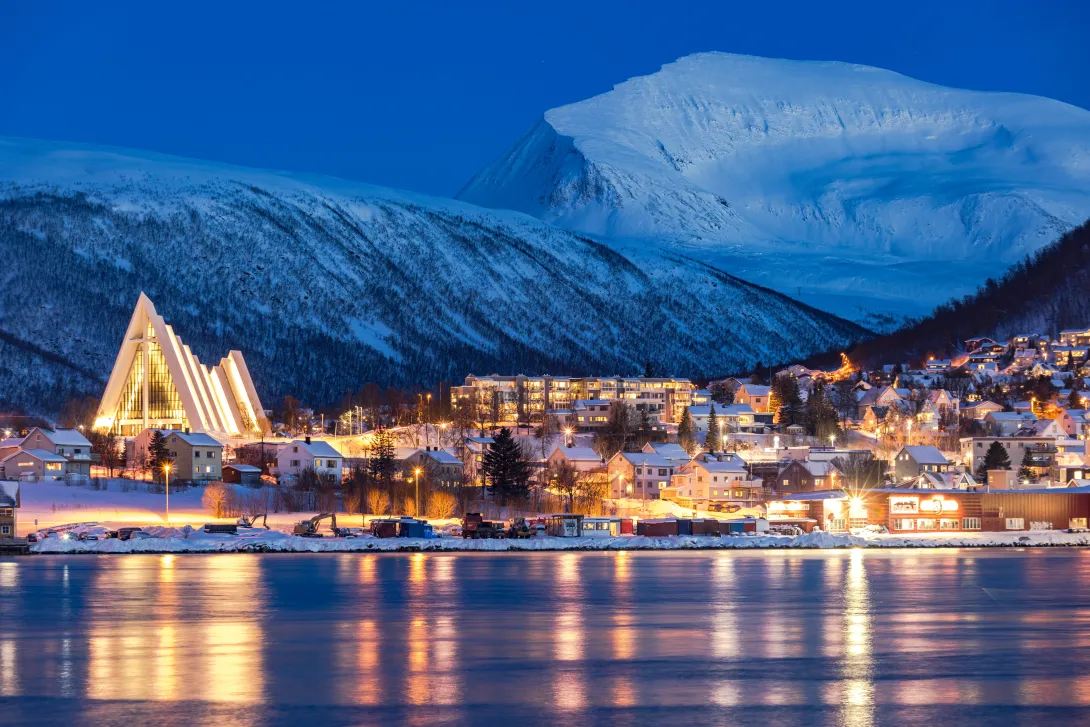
<point x="908" y="511"/>
<point x="158" y="382"/>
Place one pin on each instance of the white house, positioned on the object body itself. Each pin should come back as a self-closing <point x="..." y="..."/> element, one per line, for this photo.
<point x="300" y="455"/>
<point x="715" y="482"/>
<point x="33" y="464"/>
<point x="583" y="459"/>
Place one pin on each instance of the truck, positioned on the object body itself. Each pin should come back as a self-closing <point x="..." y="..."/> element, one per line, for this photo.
<point x="474" y="526"/>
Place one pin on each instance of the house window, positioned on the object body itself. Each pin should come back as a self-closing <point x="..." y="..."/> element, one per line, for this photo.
<point x="662" y="473"/>
<point x="948" y="524"/>
<point x="5" y="530"/>
<point x="787" y="483"/>
<point x="1076" y="522"/>
<point x="196" y="469"/>
<point x="196" y="454"/>
<point x="970" y="523"/>
<point x="295" y="463"/>
<point x="77" y="450"/>
<point x="1016" y="523"/>
<point x="53" y="466"/>
<point x="926" y="523"/>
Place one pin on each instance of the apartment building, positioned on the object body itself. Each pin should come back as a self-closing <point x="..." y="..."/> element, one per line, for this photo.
<point x="509" y="398"/>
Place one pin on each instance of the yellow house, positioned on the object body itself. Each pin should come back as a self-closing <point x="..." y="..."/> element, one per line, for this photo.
<point x="196" y="456"/>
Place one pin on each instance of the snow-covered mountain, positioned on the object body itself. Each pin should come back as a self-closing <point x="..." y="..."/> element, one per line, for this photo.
<point x="326" y="284"/>
<point x="857" y="189"/>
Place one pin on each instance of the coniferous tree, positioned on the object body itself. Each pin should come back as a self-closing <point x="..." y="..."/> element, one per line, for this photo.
<point x="713" y="439"/>
<point x="382" y="462"/>
<point x="996" y="458"/>
<point x="158" y="455"/>
<point x="506" y="468"/>
<point x="685" y="432"/>
<point x="1025" y="474"/>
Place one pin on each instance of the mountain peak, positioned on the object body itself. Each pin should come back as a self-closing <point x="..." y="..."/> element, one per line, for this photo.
<point x="860" y="189"/>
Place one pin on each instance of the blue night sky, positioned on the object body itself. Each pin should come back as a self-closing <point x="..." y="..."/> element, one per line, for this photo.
<point x="420" y="95"/>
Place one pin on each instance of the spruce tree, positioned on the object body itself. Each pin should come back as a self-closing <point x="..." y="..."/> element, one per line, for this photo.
<point x="158" y="455"/>
<point x="685" y="432"/>
<point x="714" y="438"/>
<point x="996" y="458"/>
<point x="383" y="456"/>
<point x="506" y="468"/>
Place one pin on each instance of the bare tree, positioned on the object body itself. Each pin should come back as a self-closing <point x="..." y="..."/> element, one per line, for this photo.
<point x="441" y="505"/>
<point x="378" y="502"/>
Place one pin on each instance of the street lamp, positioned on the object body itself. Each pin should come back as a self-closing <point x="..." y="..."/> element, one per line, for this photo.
<point x="832" y="441"/>
<point x="567" y="436"/>
<point x="416" y="481"/>
<point x="166" y="481"/>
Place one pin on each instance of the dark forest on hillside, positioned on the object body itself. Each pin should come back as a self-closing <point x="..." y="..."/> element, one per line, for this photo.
<point x="1044" y="293"/>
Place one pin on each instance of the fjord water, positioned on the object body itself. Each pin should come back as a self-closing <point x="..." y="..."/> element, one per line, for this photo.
<point x="839" y="637"/>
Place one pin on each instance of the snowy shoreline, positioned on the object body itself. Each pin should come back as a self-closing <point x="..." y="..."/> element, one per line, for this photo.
<point x="171" y="540"/>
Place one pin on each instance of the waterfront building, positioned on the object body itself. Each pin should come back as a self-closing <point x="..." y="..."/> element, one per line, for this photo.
<point x="158" y="382"/>
<point x="9" y="509"/>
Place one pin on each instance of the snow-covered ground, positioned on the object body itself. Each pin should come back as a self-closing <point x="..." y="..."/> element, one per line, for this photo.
<point x="182" y="540"/>
<point x="48" y="505"/>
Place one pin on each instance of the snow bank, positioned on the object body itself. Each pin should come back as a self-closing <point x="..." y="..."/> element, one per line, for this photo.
<point x="175" y="540"/>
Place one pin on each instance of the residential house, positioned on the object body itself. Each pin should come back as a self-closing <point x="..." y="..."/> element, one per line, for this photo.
<point x="583" y="459"/>
<point x="68" y="443"/>
<point x="1075" y="423"/>
<point x="729" y="417"/>
<point x="196" y="456"/>
<point x="438" y="466"/>
<point x="241" y="474"/>
<point x="1075" y="337"/>
<point x="1042" y="428"/>
<point x="910" y="462"/>
<point x="305" y="454"/>
<point x="473" y="458"/>
<point x="756" y="395"/>
<point x="1006" y="423"/>
<point x="979" y="409"/>
<point x="807" y="476"/>
<point x="639" y="474"/>
<point x="33" y="464"/>
<point x="670" y="450"/>
<point x="9" y="509"/>
<point x="719" y="483"/>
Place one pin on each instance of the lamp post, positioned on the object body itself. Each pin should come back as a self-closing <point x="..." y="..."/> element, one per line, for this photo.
<point x="166" y="482"/>
<point x="416" y="481"/>
<point x="567" y="437"/>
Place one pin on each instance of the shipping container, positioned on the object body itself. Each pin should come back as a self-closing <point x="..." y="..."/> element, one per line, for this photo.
<point x="656" y="528"/>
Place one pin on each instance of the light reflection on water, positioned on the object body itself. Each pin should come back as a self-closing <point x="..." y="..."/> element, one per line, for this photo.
<point x="857" y="638"/>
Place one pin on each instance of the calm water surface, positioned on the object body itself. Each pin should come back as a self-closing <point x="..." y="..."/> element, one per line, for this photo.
<point x="862" y="638"/>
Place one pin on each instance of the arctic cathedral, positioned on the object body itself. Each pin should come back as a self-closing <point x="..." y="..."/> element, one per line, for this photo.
<point x="158" y="382"/>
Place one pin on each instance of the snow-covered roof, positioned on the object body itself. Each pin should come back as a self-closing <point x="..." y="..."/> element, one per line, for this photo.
<point x="193" y="439"/>
<point x="646" y="459"/>
<point x="11" y="442"/>
<point x="9" y="493"/>
<point x="735" y="410"/>
<point x="926" y="454"/>
<point x="316" y="448"/>
<point x="717" y="466"/>
<point x="820" y="468"/>
<point x="242" y="467"/>
<point x="1011" y="416"/>
<point x="43" y="454"/>
<point x="578" y="454"/>
<point x="66" y="437"/>
<point x="441" y="456"/>
<point x="670" y="450"/>
<point x="756" y="389"/>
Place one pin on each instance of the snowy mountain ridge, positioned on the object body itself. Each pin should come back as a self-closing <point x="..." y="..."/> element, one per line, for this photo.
<point x="326" y="284"/>
<point x="865" y="190"/>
